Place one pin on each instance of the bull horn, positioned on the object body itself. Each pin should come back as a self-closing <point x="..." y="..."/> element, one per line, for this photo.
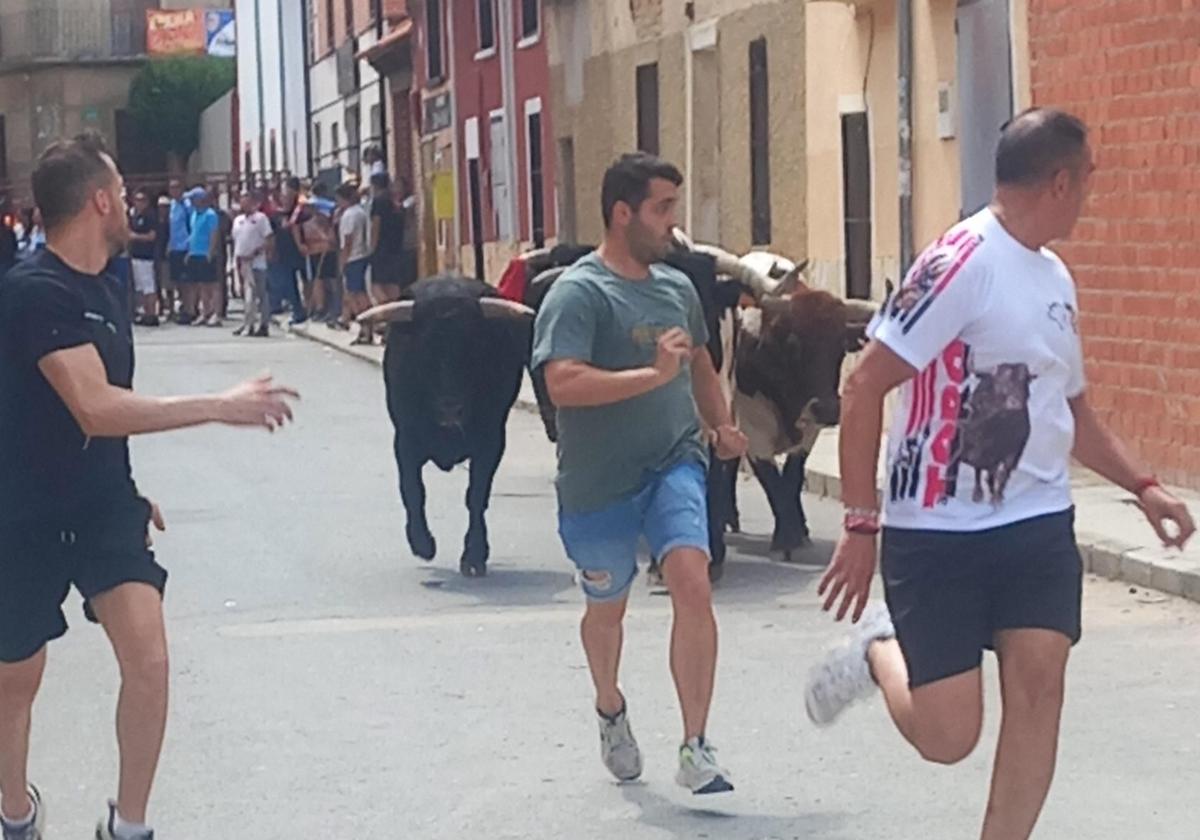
<point x="682" y="240"/>
<point x="860" y="311"/>
<point x="760" y="284"/>
<point x="500" y="308"/>
<point x="400" y="310"/>
<point x="794" y="279"/>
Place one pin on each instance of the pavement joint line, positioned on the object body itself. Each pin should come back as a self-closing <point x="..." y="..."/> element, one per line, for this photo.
<point x="1105" y="557"/>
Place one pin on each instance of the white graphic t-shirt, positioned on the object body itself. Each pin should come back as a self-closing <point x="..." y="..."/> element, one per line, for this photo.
<point x="982" y="436"/>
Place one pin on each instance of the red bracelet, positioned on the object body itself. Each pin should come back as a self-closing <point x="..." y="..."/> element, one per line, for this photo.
<point x="1144" y="484"/>
<point x="861" y="522"/>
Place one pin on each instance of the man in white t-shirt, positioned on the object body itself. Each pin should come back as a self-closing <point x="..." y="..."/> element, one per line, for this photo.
<point x="978" y="526"/>
<point x="354" y="257"/>
<point x="251" y="230"/>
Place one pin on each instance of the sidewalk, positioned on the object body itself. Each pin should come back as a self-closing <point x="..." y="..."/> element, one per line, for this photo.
<point x="1114" y="537"/>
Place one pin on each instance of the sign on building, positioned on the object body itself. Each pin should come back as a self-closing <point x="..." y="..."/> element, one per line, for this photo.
<point x="191" y="32"/>
<point x="437" y="114"/>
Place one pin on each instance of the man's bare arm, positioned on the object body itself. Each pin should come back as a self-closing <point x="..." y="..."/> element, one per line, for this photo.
<point x="575" y="384"/>
<point x="104" y="410"/>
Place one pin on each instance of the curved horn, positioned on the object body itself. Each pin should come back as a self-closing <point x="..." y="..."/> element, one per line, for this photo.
<point x="682" y="239"/>
<point x="754" y="280"/>
<point x="400" y="310"/>
<point x="860" y="311"/>
<point x="794" y="279"/>
<point x="500" y="308"/>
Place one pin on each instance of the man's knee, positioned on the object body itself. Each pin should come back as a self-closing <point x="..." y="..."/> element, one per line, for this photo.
<point x="603" y="614"/>
<point x="145" y="666"/>
<point x="949" y="742"/>
<point x="686" y="572"/>
<point x="1033" y="671"/>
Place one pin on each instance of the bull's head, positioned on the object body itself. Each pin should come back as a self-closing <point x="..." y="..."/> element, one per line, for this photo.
<point x="1002" y="388"/>
<point x="763" y="275"/>
<point x="450" y="347"/>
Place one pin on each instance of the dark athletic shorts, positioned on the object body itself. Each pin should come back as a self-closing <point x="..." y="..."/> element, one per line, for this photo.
<point x="177" y="261"/>
<point x="199" y="270"/>
<point x="323" y="266"/>
<point x="40" y="562"/>
<point x="949" y="593"/>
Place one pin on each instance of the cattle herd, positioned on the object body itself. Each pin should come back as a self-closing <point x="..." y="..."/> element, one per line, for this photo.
<point x="457" y="350"/>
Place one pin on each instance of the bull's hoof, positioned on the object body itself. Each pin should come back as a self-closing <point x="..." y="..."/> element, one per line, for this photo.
<point x="473" y="569"/>
<point x="422" y="544"/>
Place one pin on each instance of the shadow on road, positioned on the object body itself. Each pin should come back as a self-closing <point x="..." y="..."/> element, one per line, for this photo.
<point x="717" y="820"/>
<point x="505" y="585"/>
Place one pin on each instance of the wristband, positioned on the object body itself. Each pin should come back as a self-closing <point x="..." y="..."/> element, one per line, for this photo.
<point x="1144" y="484"/>
<point x="862" y="521"/>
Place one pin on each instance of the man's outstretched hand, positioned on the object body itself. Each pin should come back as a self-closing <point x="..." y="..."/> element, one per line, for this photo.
<point x="257" y="402"/>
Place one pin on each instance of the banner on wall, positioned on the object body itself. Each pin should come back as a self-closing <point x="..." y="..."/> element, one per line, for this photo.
<point x="191" y="32"/>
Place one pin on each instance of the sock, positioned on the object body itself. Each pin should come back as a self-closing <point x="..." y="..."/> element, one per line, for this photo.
<point x="123" y="830"/>
<point x="24" y="821"/>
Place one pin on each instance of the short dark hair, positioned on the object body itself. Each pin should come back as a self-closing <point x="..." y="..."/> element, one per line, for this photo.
<point x="348" y="191"/>
<point x="381" y="180"/>
<point x="293" y="183"/>
<point x="320" y="189"/>
<point x="1036" y="144"/>
<point x="66" y="174"/>
<point x="628" y="180"/>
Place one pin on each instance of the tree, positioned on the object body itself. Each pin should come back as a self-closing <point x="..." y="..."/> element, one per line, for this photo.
<point x="167" y="97"/>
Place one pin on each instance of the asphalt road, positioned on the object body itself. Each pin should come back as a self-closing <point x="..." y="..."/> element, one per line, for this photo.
<point x="326" y="684"/>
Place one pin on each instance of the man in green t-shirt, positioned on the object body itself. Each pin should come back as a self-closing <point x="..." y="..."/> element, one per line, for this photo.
<point x="621" y="337"/>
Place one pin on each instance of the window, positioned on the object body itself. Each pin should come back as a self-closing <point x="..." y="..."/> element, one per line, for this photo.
<point x="760" y="148"/>
<point x="435" y="72"/>
<point x="248" y="162"/>
<point x="537" y="196"/>
<point x="3" y="149"/>
<point x="274" y="152"/>
<point x="487" y="24"/>
<point x="501" y="181"/>
<point x="647" y="108"/>
<point x="353" y="137"/>
<point x="316" y="141"/>
<point x="336" y="139"/>
<point x="856" y="202"/>
<point x="530" y="19"/>
<point x="330" y="42"/>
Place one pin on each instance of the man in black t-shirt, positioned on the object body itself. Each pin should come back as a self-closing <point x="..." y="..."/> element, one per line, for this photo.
<point x="70" y="512"/>
<point x="387" y="242"/>
<point x="143" y="239"/>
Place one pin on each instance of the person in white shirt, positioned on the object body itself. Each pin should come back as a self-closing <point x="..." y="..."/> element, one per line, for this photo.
<point x="251" y="230"/>
<point x="978" y="543"/>
<point x="354" y="256"/>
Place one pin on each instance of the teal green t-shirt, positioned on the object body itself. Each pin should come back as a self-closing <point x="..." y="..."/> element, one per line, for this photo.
<point x="607" y="453"/>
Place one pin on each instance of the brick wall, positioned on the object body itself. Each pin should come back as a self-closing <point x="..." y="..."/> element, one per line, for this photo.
<point x="1131" y="68"/>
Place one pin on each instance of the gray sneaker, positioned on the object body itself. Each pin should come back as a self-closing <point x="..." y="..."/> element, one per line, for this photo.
<point x="105" y="830"/>
<point x="618" y="748"/>
<point x="33" y="830"/>
<point x="698" y="768"/>
<point x="844" y="676"/>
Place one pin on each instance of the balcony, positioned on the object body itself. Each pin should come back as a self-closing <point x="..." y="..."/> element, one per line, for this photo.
<point x="49" y="35"/>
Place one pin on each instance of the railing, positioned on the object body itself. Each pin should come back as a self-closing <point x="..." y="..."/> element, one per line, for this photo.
<point x="49" y="32"/>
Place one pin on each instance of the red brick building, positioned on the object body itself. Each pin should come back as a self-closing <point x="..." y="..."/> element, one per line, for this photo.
<point x="1131" y="69"/>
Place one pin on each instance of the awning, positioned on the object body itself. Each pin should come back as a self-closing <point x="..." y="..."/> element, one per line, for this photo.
<point x="399" y="34"/>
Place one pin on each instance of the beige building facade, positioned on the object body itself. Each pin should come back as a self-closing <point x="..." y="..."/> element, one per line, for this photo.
<point x="715" y="86"/>
<point x="970" y="72"/>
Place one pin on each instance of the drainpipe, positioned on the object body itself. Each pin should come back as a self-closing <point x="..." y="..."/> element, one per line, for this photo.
<point x="509" y="103"/>
<point x="383" y="98"/>
<point x="304" y="13"/>
<point x="455" y="237"/>
<point x="904" y="27"/>
<point x="258" y="67"/>
<point x="283" y="87"/>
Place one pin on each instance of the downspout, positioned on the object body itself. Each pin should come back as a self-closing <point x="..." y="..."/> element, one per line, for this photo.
<point x="283" y="88"/>
<point x="452" y="68"/>
<point x="509" y="103"/>
<point x="904" y="28"/>
<point x="304" y="11"/>
<point x="689" y="140"/>
<point x="383" y="101"/>
<point x="258" y="67"/>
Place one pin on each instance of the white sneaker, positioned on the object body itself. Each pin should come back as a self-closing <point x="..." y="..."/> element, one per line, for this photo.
<point x="618" y="748"/>
<point x="698" y="768"/>
<point x="844" y="676"/>
<point x="34" y="829"/>
<point x="105" y="830"/>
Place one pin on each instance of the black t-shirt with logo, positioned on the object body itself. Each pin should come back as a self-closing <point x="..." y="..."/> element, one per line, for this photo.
<point x="51" y="471"/>
<point x="143" y="223"/>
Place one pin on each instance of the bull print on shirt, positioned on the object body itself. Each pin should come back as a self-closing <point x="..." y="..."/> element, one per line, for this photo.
<point x="979" y="418"/>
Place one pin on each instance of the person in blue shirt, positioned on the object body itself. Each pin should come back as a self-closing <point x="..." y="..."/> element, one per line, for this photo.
<point x="203" y="240"/>
<point x="179" y="231"/>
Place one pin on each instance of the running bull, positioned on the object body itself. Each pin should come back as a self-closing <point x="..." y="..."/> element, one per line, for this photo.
<point x="452" y="369"/>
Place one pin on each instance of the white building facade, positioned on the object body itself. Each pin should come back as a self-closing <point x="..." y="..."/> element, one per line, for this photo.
<point x="272" y="87"/>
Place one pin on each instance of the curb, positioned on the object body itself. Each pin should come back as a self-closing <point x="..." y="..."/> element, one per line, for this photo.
<point x="1107" y="558"/>
<point x="362" y="354"/>
<point x="1104" y="557"/>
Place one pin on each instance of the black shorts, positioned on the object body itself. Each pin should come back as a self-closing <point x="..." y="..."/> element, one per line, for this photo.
<point x="949" y="593"/>
<point x="200" y="270"/>
<point x="177" y="260"/>
<point x="39" y="562"/>
<point x="323" y="266"/>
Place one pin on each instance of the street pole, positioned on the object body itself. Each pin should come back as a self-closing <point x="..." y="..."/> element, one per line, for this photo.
<point x="283" y="87"/>
<point x="258" y="67"/>
<point x="508" y="92"/>
<point x="904" y="28"/>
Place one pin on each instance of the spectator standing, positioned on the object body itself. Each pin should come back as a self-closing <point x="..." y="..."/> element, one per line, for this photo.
<point x="410" y="240"/>
<point x="177" y="251"/>
<point x="251" y="230"/>
<point x="354" y="257"/>
<point x="166" y="283"/>
<point x="284" y="259"/>
<point x="203" y="244"/>
<point x="319" y="243"/>
<point x="221" y="260"/>
<point x="143" y="235"/>
<point x="387" y="241"/>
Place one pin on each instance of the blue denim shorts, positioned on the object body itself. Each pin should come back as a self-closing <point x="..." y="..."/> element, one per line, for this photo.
<point x="356" y="275"/>
<point x="670" y="511"/>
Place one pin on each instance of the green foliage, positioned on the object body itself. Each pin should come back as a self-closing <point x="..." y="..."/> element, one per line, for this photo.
<point x="167" y="97"/>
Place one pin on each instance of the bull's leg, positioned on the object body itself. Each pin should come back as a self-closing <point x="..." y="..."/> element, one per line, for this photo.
<point x="977" y="495"/>
<point x="412" y="492"/>
<point x="793" y="487"/>
<point x="768" y="476"/>
<point x="731" y="482"/>
<point x="484" y="464"/>
<point x="718" y="507"/>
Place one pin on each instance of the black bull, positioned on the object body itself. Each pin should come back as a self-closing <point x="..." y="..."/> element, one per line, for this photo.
<point x="452" y="369"/>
